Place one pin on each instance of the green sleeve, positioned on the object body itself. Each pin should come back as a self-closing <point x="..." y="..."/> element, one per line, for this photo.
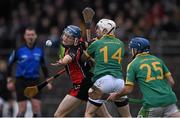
<point x="166" y="71"/>
<point x="92" y="48"/>
<point x="123" y="50"/>
<point x="61" y="51"/>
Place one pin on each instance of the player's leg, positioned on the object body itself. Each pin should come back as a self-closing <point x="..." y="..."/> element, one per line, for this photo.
<point x="176" y="114"/>
<point x="22" y="105"/>
<point x="67" y="105"/>
<point x="93" y="105"/>
<point x="83" y="95"/>
<point x="106" y="84"/>
<point x="171" y="111"/>
<point x="124" y="111"/>
<point x="11" y="107"/>
<point x="151" y="112"/>
<point x="91" y="108"/>
<point x="123" y="107"/>
<point x="122" y="104"/>
<point x="10" y="101"/>
<point x="166" y="111"/>
<point x="143" y="113"/>
<point x="103" y="112"/>
<point x="36" y="100"/>
<point x="21" y="99"/>
<point x="36" y="107"/>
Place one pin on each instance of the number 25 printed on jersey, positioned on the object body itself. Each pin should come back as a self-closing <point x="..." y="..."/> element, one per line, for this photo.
<point x="153" y="66"/>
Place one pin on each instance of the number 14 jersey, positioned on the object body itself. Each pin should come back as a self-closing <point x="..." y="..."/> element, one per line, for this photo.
<point x="107" y="53"/>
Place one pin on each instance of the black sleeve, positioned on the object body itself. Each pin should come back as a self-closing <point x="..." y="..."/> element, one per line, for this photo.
<point x="73" y="52"/>
<point x="89" y="43"/>
<point x="82" y="45"/>
<point x="12" y="59"/>
<point x="44" y="67"/>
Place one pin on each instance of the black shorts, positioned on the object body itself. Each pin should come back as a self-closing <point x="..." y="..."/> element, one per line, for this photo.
<point x="80" y="91"/>
<point x="122" y="103"/>
<point x="21" y="84"/>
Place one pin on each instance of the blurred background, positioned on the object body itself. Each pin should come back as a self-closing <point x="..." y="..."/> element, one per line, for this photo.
<point x="158" y="20"/>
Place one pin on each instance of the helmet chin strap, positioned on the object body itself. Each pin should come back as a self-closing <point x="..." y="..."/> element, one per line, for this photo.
<point x="76" y="40"/>
<point x="110" y="31"/>
<point x="134" y="53"/>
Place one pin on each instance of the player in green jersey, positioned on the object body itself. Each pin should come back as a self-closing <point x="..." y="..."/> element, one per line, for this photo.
<point x="107" y="52"/>
<point x="154" y="79"/>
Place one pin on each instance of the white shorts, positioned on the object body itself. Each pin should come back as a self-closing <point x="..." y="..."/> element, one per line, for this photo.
<point x="108" y="84"/>
<point x="165" y="111"/>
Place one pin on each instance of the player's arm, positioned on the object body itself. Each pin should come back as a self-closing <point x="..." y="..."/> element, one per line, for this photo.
<point x="127" y="90"/>
<point x="67" y="58"/>
<point x="167" y="74"/>
<point x="64" y="61"/>
<point x="170" y="80"/>
<point x="129" y="85"/>
<point x="11" y="61"/>
<point x="91" y="49"/>
<point x="44" y="67"/>
<point x="116" y="95"/>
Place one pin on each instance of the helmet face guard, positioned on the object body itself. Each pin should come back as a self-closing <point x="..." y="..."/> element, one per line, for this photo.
<point x="72" y="33"/>
<point x="68" y="35"/>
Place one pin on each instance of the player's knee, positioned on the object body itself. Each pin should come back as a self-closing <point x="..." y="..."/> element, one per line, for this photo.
<point x="176" y="114"/>
<point x="36" y="107"/>
<point x="55" y="114"/>
<point x="21" y="114"/>
<point x="122" y="103"/>
<point x="89" y="114"/>
<point x="59" y="114"/>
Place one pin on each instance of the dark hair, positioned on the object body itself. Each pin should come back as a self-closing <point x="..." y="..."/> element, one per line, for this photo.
<point x="29" y="28"/>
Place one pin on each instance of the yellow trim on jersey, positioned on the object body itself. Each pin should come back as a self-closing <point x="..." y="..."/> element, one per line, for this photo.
<point x="167" y="74"/>
<point x="129" y="83"/>
<point x="130" y="63"/>
<point x="95" y="39"/>
<point x="109" y="35"/>
<point x="143" y="54"/>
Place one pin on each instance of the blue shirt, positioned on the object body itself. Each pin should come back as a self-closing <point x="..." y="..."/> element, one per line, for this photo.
<point x="29" y="61"/>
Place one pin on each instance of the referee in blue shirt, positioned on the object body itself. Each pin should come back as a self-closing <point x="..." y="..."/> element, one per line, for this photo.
<point x="29" y="59"/>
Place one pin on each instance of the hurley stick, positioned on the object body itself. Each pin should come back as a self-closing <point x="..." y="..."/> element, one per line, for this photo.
<point x="31" y="91"/>
<point x="88" y="14"/>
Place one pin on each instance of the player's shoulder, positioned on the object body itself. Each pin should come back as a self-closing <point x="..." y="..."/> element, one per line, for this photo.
<point x="20" y="47"/>
<point x="38" y="47"/>
<point x="118" y="41"/>
<point x="158" y="59"/>
<point x="96" y="42"/>
<point x="133" y="63"/>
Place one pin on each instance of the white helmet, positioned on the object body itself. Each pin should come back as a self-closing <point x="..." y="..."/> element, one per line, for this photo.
<point x="106" y="24"/>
